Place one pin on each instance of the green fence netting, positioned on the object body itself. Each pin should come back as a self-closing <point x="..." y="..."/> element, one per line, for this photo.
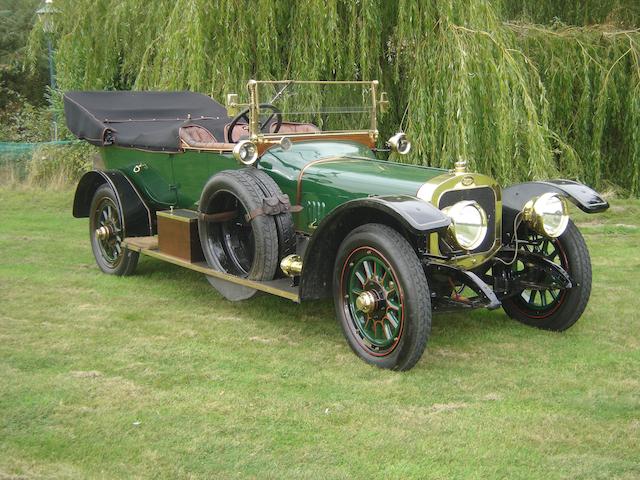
<point x="15" y="157"/>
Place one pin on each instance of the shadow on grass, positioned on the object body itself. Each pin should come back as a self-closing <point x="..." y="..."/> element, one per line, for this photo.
<point x="317" y="317"/>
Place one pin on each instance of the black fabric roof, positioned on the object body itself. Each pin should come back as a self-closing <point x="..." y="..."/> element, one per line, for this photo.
<point x="146" y="120"/>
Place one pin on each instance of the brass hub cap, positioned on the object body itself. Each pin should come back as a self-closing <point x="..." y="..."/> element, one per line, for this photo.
<point x="103" y="233"/>
<point x="366" y="302"/>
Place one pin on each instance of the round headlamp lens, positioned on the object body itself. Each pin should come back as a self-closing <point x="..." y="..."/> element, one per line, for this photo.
<point x="399" y="143"/>
<point x="551" y="214"/>
<point x="245" y="152"/>
<point x="468" y="224"/>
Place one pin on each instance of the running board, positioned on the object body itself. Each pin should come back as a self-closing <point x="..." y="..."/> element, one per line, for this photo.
<point x="149" y="246"/>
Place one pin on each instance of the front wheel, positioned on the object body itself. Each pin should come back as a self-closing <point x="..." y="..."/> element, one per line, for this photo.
<point x="554" y="309"/>
<point x="382" y="297"/>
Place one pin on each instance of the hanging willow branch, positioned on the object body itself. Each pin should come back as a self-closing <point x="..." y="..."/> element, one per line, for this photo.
<point x="504" y="84"/>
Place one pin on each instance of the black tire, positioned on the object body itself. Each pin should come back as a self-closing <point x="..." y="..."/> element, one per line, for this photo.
<point x="402" y="310"/>
<point x="110" y="255"/>
<point x="567" y="308"/>
<point x="284" y="222"/>
<point x="241" y="248"/>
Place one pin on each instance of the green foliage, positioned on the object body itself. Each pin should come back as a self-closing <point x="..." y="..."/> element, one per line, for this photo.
<point x="467" y="79"/>
<point x="22" y="122"/>
<point x="59" y="164"/>
<point x="575" y="12"/>
<point x="16" y="82"/>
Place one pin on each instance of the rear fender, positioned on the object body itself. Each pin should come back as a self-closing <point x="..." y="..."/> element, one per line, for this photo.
<point x="516" y="196"/>
<point x="138" y="218"/>
<point x="412" y="217"/>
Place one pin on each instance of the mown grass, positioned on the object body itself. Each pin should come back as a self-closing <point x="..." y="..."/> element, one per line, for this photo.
<point x="156" y="375"/>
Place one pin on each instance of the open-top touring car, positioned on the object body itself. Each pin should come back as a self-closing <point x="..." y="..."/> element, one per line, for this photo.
<point x="285" y="195"/>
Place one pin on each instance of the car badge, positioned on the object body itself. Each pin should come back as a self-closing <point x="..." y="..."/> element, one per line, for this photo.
<point x="466" y="181"/>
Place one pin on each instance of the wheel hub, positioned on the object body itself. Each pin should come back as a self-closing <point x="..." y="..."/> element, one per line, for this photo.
<point x="367" y="302"/>
<point x="373" y="301"/>
<point x="104" y="232"/>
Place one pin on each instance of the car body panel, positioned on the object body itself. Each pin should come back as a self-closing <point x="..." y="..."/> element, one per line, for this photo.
<point x="318" y="175"/>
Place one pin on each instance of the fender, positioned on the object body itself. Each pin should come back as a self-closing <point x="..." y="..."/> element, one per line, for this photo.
<point x="516" y="196"/>
<point x="409" y="215"/>
<point x="137" y="217"/>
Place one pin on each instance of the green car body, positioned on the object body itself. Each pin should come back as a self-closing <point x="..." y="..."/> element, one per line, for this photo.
<point x="330" y="173"/>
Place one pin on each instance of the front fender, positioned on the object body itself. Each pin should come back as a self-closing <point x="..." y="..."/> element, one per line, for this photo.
<point x="516" y="196"/>
<point x="137" y="216"/>
<point x="409" y="215"/>
<point x="416" y="215"/>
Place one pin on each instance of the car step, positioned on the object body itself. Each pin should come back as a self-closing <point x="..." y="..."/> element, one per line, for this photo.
<point x="149" y="246"/>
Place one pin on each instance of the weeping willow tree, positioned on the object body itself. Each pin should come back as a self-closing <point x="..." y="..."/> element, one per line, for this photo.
<point x="519" y="92"/>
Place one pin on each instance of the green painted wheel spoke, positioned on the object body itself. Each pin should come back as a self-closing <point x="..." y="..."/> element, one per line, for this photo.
<point x="379" y="328"/>
<point x="392" y="306"/>
<point x="392" y="320"/>
<point x="367" y="269"/>
<point x="387" y="331"/>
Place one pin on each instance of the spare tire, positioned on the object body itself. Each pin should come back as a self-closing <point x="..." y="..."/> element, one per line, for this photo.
<point x="284" y="221"/>
<point x="237" y="246"/>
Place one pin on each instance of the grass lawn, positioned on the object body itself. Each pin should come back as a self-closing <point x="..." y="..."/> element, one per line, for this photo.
<point x="156" y="375"/>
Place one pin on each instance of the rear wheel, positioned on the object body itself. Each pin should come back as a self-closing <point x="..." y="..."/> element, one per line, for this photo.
<point x="555" y="309"/>
<point x="382" y="297"/>
<point x="106" y="231"/>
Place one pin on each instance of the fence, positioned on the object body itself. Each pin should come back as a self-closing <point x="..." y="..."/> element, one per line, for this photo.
<point x="15" y="157"/>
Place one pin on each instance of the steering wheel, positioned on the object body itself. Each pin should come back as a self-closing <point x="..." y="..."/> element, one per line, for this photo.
<point x="264" y="126"/>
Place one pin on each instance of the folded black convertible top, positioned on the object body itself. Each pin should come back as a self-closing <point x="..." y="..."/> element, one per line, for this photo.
<point x="145" y="120"/>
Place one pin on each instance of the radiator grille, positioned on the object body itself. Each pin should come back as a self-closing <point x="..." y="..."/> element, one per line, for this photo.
<point x="486" y="198"/>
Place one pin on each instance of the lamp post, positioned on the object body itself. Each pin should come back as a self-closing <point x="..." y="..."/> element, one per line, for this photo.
<point x="46" y="13"/>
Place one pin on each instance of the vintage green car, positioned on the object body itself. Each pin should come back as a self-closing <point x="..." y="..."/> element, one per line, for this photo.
<point x="286" y="195"/>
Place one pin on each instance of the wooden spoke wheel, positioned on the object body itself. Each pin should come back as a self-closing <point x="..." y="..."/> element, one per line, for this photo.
<point x="106" y="230"/>
<point x="382" y="297"/>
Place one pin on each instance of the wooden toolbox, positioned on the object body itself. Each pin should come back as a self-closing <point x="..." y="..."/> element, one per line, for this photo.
<point x="178" y="234"/>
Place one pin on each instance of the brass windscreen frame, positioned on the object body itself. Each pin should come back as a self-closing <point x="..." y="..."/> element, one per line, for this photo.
<point x="254" y="108"/>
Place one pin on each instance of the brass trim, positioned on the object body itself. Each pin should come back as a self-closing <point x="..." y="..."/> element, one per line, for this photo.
<point x="147" y="249"/>
<point x="366" y="302"/>
<point x="460" y="166"/>
<point x="374" y="107"/>
<point x="103" y="233"/>
<point x="433" y="190"/>
<point x="254" y="109"/>
<point x="254" y="105"/>
<point x="535" y="220"/>
<point x="291" y="265"/>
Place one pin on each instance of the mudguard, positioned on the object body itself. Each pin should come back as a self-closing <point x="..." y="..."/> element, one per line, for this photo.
<point x="409" y="215"/>
<point x="516" y="196"/>
<point x="415" y="215"/>
<point x="138" y="219"/>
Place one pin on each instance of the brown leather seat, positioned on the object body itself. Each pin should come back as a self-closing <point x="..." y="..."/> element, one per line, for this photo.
<point x="293" y="127"/>
<point x="197" y="136"/>
<point x="240" y="131"/>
